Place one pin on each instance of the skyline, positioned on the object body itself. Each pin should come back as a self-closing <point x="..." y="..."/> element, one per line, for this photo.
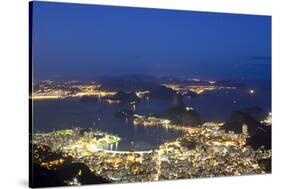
<point x="122" y="95"/>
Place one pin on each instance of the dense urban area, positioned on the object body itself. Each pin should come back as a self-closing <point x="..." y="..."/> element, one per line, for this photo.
<point x="240" y="146"/>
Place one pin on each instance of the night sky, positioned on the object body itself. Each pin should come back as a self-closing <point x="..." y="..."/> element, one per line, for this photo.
<point x="75" y="41"/>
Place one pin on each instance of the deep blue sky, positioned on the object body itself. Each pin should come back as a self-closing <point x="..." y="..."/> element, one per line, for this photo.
<point x="75" y="41"/>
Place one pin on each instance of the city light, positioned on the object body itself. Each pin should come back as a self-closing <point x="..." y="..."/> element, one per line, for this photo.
<point x="198" y="89"/>
<point x="53" y="90"/>
<point x="198" y="149"/>
<point x="204" y="150"/>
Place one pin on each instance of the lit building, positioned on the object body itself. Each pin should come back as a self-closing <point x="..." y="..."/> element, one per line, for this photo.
<point x="245" y="129"/>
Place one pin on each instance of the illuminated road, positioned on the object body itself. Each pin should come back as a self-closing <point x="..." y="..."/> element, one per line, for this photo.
<point x="127" y="152"/>
<point x="92" y="148"/>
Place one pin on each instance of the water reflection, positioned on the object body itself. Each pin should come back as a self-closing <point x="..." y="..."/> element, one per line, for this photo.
<point x="62" y="114"/>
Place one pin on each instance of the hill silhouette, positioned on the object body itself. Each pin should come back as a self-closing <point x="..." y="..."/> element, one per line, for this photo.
<point x="178" y="114"/>
<point x="237" y="118"/>
<point x="124" y="97"/>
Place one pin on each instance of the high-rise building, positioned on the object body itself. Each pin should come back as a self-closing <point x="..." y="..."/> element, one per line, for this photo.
<point x="245" y="129"/>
